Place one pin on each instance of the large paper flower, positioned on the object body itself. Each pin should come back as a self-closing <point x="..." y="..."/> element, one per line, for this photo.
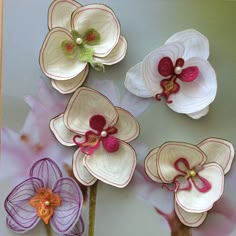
<point x="45" y="195"/>
<point x="197" y="173"/>
<point x="179" y="72"/>
<point x="78" y="36"/>
<point x="101" y="131"/>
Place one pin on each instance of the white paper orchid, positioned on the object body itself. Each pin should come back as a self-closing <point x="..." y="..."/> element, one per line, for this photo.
<point x="101" y="131"/>
<point x="197" y="173"/>
<point x="79" y="36"/>
<point x="178" y="71"/>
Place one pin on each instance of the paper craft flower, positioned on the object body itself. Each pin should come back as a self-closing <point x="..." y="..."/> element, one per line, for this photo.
<point x="78" y="36"/>
<point x="197" y="173"/>
<point x="179" y="72"/>
<point x="101" y="131"/>
<point x="45" y="195"/>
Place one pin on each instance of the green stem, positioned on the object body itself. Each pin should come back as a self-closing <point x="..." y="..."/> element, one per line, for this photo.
<point x="48" y="229"/>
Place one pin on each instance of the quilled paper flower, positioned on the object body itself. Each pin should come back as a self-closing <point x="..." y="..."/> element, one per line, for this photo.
<point x="102" y="132"/>
<point x="46" y="195"/>
<point x="177" y="72"/>
<point x="197" y="173"/>
<point x="79" y="36"/>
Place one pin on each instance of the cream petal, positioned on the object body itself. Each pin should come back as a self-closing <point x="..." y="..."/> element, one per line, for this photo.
<point x="197" y="202"/>
<point x="188" y="218"/>
<point x="116" y="55"/>
<point x="195" y="44"/>
<point x="150" y="164"/>
<point x="135" y="83"/>
<point x="150" y="65"/>
<point x="127" y="126"/>
<point x="198" y="94"/>
<point x="199" y="114"/>
<point x="170" y="152"/>
<point x="114" y="168"/>
<point x="80" y="171"/>
<point x="103" y="20"/>
<point x="85" y="103"/>
<point x="59" y="13"/>
<point x="69" y="86"/>
<point x="54" y="63"/>
<point x="219" y="151"/>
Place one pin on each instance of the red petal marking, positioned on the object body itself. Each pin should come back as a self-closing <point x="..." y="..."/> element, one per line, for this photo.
<point x="201" y="184"/>
<point x="111" y="144"/>
<point x="111" y="130"/>
<point x="69" y="47"/>
<point x="179" y="62"/>
<point x="189" y="74"/>
<point x="165" y="67"/>
<point x="90" y="37"/>
<point x="97" y="122"/>
<point x="182" y="165"/>
<point x="182" y="183"/>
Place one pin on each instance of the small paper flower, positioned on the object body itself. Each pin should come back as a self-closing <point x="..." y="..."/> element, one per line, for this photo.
<point x="45" y="196"/>
<point x="197" y="173"/>
<point x="78" y="36"/>
<point x="101" y="131"/>
<point x="179" y="72"/>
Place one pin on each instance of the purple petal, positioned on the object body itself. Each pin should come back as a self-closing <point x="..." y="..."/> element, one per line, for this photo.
<point x="66" y="216"/>
<point x="47" y="170"/>
<point x="21" y="216"/>
<point x="78" y="229"/>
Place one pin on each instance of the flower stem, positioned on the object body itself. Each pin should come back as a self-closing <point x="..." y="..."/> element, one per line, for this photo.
<point x="92" y="208"/>
<point x="48" y="229"/>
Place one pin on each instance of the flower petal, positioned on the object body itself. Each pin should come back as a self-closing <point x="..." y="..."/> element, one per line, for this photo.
<point x="66" y="216"/>
<point x="80" y="171"/>
<point x="195" y="44"/>
<point x="127" y="126"/>
<point x="78" y="229"/>
<point x="150" y="65"/>
<point x="170" y="152"/>
<point x="46" y="170"/>
<point x="135" y="83"/>
<point x="59" y="13"/>
<point x="116" y="55"/>
<point x="103" y="20"/>
<point x="84" y="104"/>
<point x="115" y="168"/>
<point x="63" y="135"/>
<point x="199" y="114"/>
<point x="150" y="164"/>
<point x="195" y="201"/>
<point x="69" y="86"/>
<point x="54" y="62"/>
<point x="188" y="218"/>
<point x="219" y="151"/>
<point x="21" y="216"/>
<point x="198" y="94"/>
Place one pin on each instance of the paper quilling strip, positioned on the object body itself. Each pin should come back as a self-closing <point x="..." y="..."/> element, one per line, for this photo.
<point x="197" y="173"/>
<point x="179" y="72"/>
<point x="79" y="36"/>
<point x="101" y="131"/>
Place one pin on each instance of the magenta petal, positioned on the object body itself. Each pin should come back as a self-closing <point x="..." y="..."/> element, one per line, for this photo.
<point x="97" y="122"/>
<point x="66" y="216"/>
<point x="47" y="170"/>
<point x="165" y="67"/>
<point x="201" y="184"/>
<point x="78" y="229"/>
<point x="182" y="165"/>
<point x="111" y="144"/>
<point x="189" y="74"/>
<point x="21" y="216"/>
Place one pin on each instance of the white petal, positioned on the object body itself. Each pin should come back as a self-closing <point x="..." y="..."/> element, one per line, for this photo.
<point x="219" y="151"/>
<point x="84" y="104"/>
<point x="115" y="168"/>
<point x="103" y="20"/>
<point x="117" y="53"/>
<point x="151" y="61"/>
<point x="127" y="125"/>
<point x="199" y="114"/>
<point x="188" y="218"/>
<point x="59" y="13"/>
<point x="69" y="86"/>
<point x="198" y="94"/>
<point x="195" y="44"/>
<point x="54" y="63"/>
<point x="195" y="201"/>
<point x="63" y="135"/>
<point x="80" y="171"/>
<point x="135" y="83"/>
<point x="150" y="164"/>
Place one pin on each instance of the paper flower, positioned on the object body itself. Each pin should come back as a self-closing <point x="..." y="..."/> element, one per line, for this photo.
<point x="78" y="36"/>
<point x="101" y="131"/>
<point x="45" y="196"/>
<point x="179" y="72"/>
<point x="197" y="173"/>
